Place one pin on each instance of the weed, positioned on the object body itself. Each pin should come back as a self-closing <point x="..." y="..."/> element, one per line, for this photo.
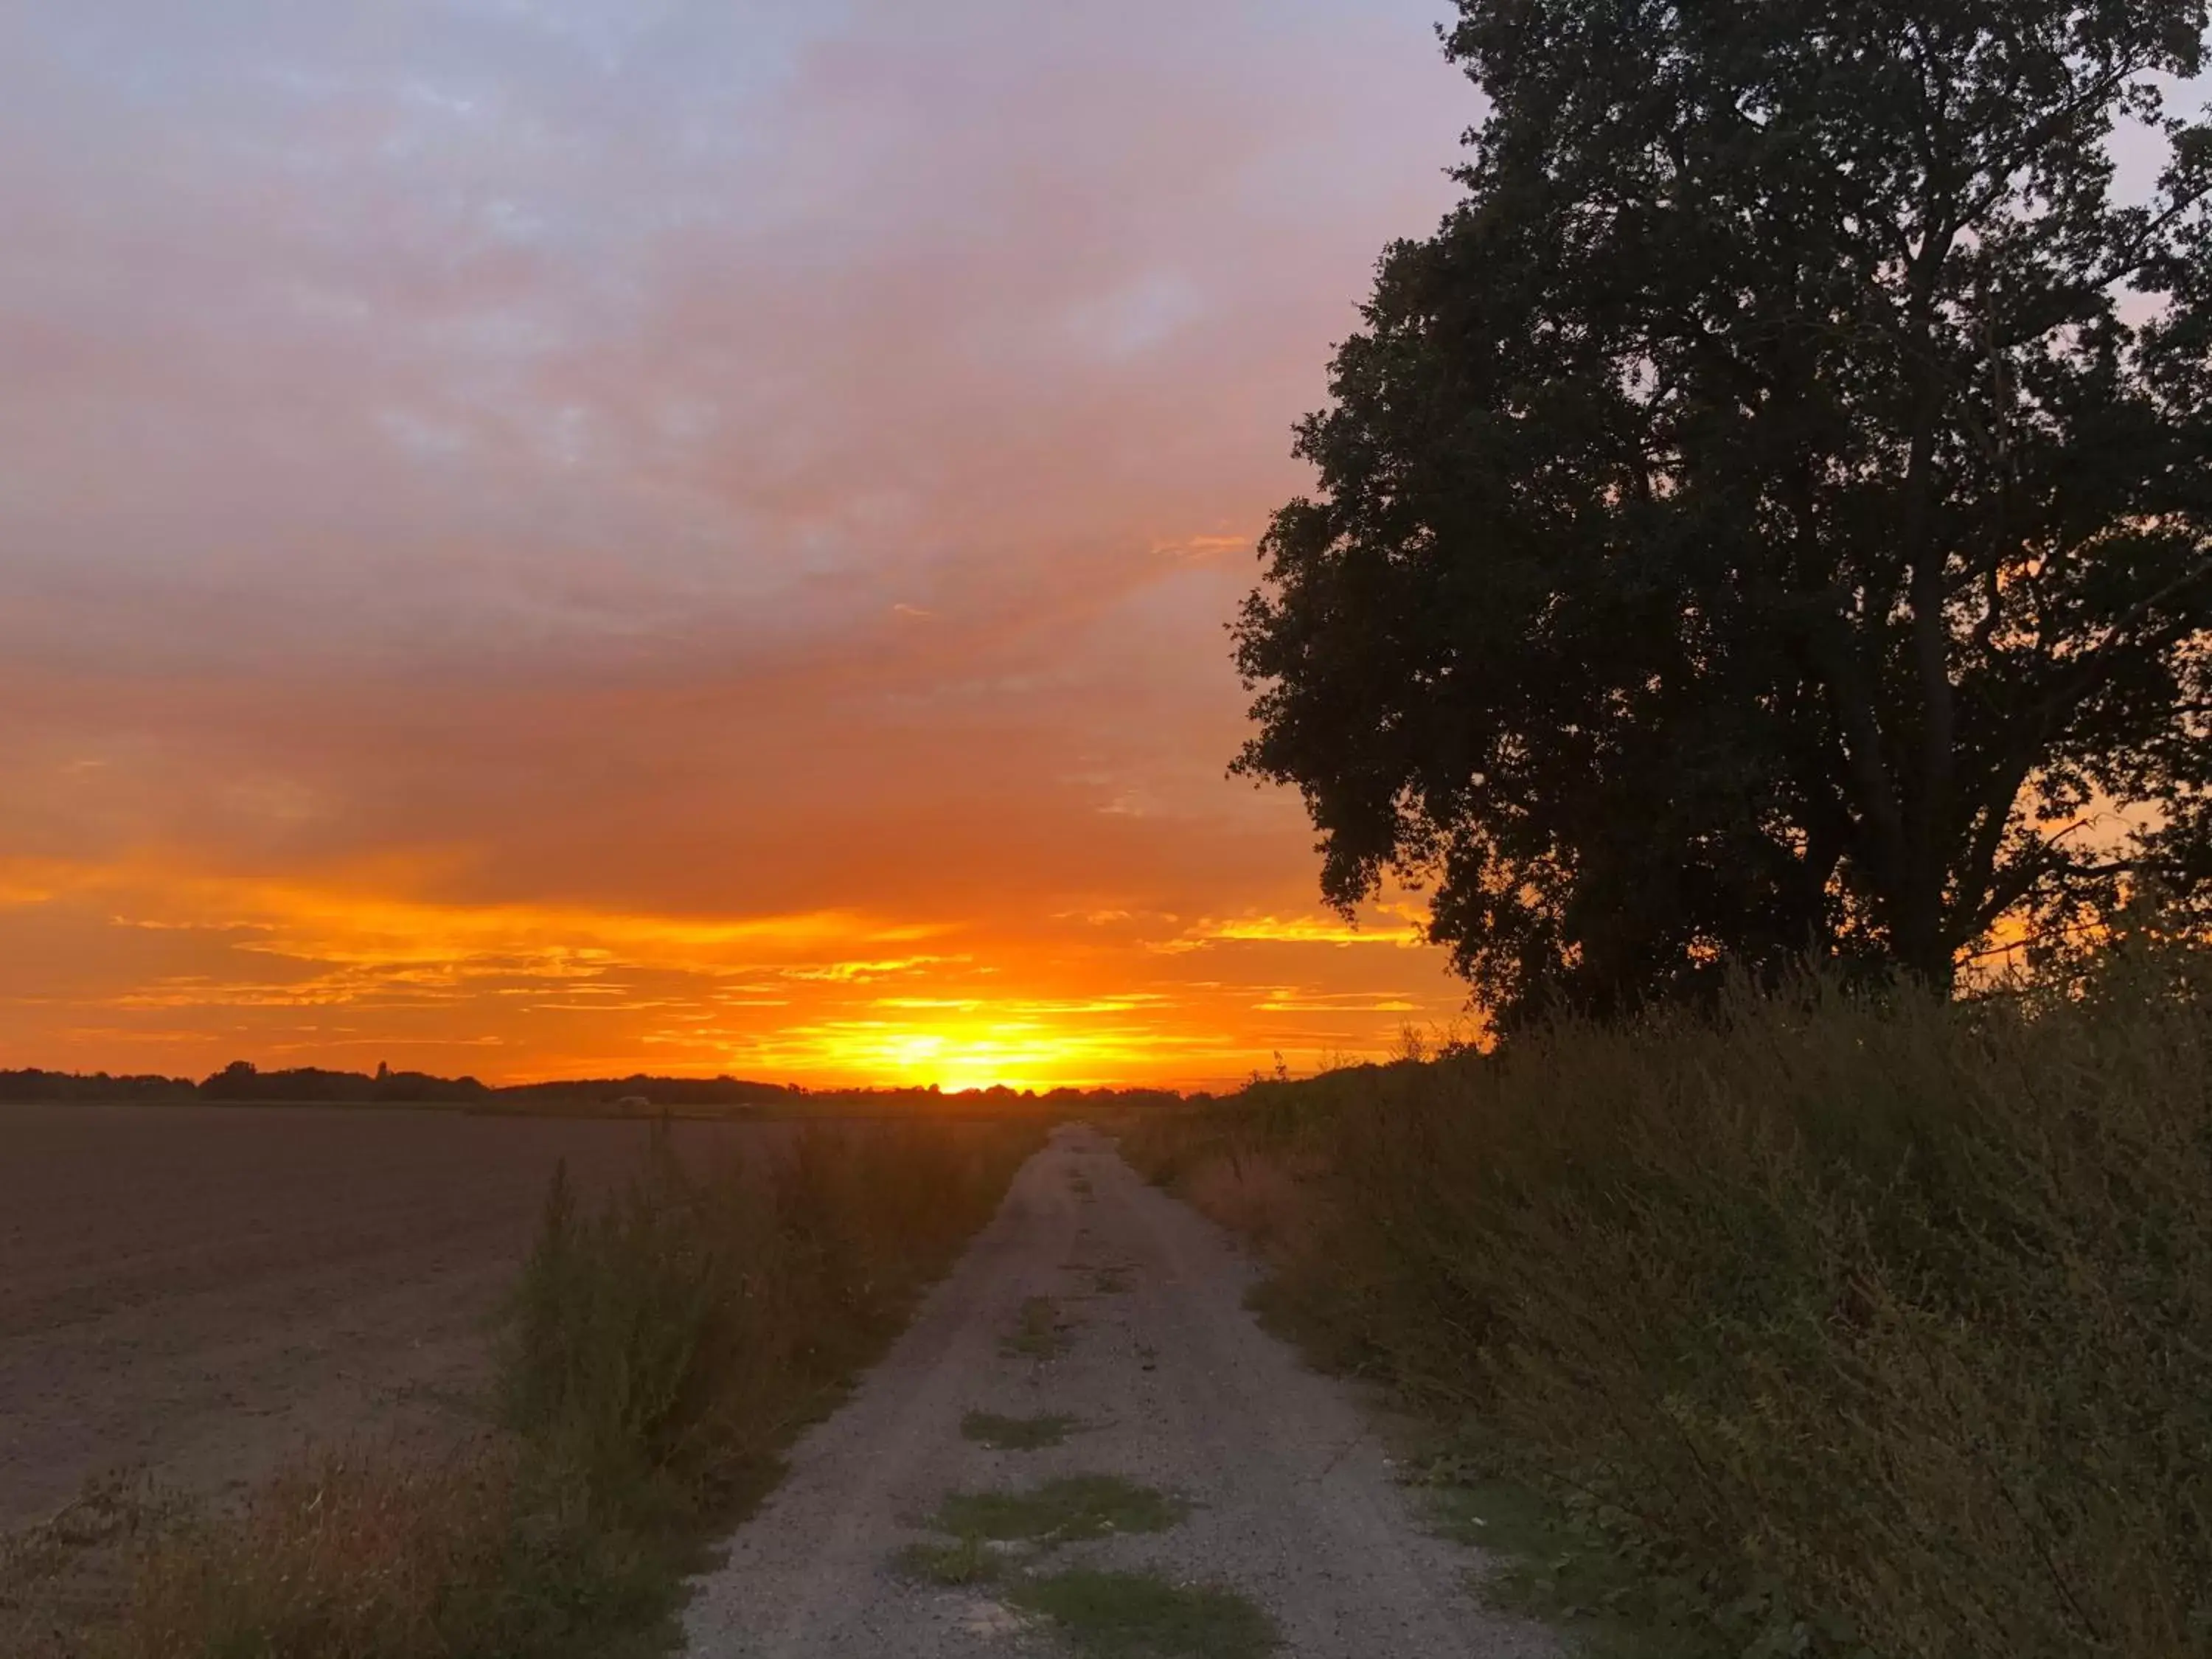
<point x="1017" y="1433"/>
<point x="968" y="1560"/>
<point x="1110" y="1281"/>
<point x="1545" y="1565"/>
<point x="365" y="1557"/>
<point x="1126" y="1615"/>
<point x="1062" y="1511"/>
<point x="1039" y="1332"/>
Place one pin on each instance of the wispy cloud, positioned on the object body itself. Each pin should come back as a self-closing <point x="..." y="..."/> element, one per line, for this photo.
<point x="1294" y="930"/>
<point x="544" y="523"/>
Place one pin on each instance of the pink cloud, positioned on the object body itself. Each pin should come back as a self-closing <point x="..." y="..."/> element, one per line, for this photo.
<point x="673" y="459"/>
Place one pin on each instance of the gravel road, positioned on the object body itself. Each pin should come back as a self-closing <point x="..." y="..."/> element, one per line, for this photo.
<point x="1292" y="1500"/>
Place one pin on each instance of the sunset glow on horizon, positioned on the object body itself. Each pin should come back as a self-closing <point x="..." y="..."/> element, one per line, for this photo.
<point x="350" y="977"/>
<point x="603" y="536"/>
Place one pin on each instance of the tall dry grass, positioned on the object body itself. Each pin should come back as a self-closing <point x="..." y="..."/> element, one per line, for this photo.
<point x="659" y="1351"/>
<point x="1876" y="1325"/>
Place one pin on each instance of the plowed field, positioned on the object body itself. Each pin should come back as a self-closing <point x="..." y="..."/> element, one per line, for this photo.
<point x="196" y="1290"/>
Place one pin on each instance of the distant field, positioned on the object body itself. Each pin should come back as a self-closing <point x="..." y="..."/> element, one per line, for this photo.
<point x="199" y="1289"/>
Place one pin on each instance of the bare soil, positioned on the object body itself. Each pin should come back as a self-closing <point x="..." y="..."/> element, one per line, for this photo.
<point x="196" y="1292"/>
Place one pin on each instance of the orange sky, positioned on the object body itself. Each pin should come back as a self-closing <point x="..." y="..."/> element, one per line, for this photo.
<point x="610" y="535"/>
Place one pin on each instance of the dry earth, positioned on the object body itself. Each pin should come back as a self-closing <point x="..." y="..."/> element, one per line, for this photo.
<point x="1292" y="1502"/>
<point x="198" y="1290"/>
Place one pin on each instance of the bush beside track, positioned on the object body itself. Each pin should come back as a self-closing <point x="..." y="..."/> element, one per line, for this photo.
<point x="1833" y="1323"/>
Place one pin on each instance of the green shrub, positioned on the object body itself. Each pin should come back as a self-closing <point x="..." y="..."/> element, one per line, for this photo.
<point x="1879" y="1321"/>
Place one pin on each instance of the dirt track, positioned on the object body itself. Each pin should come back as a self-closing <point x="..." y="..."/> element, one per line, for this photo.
<point x="1292" y="1502"/>
<point x="199" y="1290"/>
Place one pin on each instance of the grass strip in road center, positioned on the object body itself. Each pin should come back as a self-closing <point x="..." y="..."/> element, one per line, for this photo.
<point x="1017" y="1433"/>
<point x="987" y="1527"/>
<point x="1066" y="1510"/>
<point x="1040" y="1333"/>
<point x="1129" y="1615"/>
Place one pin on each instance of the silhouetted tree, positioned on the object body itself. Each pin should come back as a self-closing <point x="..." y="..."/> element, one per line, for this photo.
<point x="1775" y="508"/>
<point x="239" y="1080"/>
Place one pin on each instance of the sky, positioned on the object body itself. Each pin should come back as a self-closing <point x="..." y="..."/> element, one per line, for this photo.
<point x="558" y="536"/>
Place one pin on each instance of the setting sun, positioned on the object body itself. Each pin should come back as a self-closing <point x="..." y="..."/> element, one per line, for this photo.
<point x="982" y="1054"/>
<point x="378" y="964"/>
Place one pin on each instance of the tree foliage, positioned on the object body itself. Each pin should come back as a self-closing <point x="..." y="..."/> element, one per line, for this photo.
<point x="1773" y="514"/>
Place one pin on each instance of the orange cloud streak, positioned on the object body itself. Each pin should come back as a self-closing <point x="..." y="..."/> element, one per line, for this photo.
<point x="336" y="973"/>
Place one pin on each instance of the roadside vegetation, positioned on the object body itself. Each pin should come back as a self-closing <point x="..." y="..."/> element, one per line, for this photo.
<point x="659" y="1354"/>
<point x="1826" y="1322"/>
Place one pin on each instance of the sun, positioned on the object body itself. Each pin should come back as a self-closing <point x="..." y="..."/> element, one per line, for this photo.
<point x="1011" y="1054"/>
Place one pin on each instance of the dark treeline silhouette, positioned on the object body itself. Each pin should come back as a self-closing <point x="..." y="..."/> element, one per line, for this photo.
<point x="243" y="1083"/>
<point x="1771" y="518"/>
<point x="37" y="1087"/>
<point x="241" y="1080"/>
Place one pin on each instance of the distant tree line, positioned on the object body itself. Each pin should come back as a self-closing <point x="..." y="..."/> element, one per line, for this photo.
<point x="243" y="1083"/>
<point x="36" y="1087"/>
